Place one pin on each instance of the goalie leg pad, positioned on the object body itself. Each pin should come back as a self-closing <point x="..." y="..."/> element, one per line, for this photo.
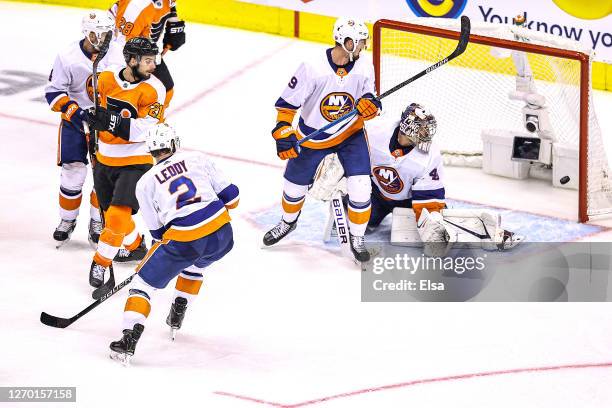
<point x="328" y="179"/>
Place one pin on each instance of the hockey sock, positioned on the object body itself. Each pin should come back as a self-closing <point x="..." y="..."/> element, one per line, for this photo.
<point x="94" y="210"/>
<point x="138" y="303"/>
<point x="293" y="199"/>
<point x="188" y="285"/>
<point x="118" y="223"/>
<point x="71" y="182"/>
<point x="359" y="208"/>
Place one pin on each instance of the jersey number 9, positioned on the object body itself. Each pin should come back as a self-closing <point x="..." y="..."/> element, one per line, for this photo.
<point x="187" y="197"/>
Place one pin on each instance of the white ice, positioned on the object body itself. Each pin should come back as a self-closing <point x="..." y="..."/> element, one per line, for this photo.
<point x="277" y="327"/>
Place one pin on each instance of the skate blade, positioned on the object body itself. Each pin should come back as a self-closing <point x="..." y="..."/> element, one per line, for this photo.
<point x="59" y="244"/>
<point x="122" y="358"/>
<point x="93" y="244"/>
<point x="173" y="333"/>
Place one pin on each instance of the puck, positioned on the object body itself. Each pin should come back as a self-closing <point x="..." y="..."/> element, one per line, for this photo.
<point x="564" y="180"/>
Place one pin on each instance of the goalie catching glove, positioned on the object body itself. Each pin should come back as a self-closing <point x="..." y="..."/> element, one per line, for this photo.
<point x="286" y="140"/>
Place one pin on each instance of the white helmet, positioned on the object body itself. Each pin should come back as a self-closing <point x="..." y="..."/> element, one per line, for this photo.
<point x="162" y="136"/>
<point x="98" y="22"/>
<point x="351" y="28"/>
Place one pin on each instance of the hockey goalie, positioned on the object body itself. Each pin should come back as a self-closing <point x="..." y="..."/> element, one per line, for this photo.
<point x="407" y="176"/>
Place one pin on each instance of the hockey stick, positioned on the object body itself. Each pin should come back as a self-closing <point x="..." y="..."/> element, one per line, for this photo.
<point x="464" y="38"/>
<point x="92" y="145"/>
<point x="62" y="322"/>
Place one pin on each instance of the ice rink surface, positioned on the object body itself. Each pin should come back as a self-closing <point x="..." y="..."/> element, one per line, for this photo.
<point x="279" y="327"/>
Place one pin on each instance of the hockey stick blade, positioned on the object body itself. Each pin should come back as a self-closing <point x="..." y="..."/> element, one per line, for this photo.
<point x="464" y="38"/>
<point x="106" y="286"/>
<point x="62" y="322"/>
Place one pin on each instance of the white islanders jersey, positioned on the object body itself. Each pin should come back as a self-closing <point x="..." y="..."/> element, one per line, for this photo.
<point x="326" y="92"/>
<point x="72" y="75"/>
<point x="415" y="175"/>
<point x="185" y="197"/>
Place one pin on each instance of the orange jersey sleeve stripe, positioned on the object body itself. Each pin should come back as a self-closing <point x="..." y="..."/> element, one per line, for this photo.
<point x="59" y="104"/>
<point x="285" y="115"/>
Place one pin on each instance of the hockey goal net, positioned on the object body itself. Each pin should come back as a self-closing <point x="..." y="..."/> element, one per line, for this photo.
<point x="470" y="94"/>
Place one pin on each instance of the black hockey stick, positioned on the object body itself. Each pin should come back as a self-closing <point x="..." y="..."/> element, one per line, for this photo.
<point x="62" y="322"/>
<point x="464" y="38"/>
<point x="91" y="148"/>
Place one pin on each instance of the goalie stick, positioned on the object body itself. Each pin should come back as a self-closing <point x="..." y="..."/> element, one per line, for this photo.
<point x="63" y="322"/>
<point x="464" y="38"/>
<point x="91" y="148"/>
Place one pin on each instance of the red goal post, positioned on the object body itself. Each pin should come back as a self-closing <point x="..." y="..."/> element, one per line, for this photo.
<point x="584" y="77"/>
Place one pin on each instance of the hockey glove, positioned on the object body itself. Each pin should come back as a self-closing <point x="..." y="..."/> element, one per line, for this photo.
<point x="286" y="141"/>
<point x="367" y="108"/>
<point x="109" y="121"/>
<point x="71" y="112"/>
<point x="174" y="36"/>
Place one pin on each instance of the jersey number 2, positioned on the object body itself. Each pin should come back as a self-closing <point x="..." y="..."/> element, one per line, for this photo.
<point x="187" y="197"/>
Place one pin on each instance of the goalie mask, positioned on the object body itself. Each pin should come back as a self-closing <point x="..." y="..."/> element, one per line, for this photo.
<point x="99" y="23"/>
<point x="162" y="136"/>
<point x="418" y="125"/>
<point x="346" y="28"/>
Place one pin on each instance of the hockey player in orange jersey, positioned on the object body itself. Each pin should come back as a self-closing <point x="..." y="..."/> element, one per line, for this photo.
<point x="131" y="102"/>
<point x="151" y="19"/>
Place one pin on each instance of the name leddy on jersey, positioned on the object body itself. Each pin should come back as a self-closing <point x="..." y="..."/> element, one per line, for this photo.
<point x="170" y="171"/>
<point x="336" y="104"/>
<point x="388" y="179"/>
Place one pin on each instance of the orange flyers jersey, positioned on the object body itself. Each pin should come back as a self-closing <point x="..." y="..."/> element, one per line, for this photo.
<point x="142" y="103"/>
<point x="142" y="18"/>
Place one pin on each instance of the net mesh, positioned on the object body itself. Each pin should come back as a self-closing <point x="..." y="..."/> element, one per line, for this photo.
<point x="470" y="94"/>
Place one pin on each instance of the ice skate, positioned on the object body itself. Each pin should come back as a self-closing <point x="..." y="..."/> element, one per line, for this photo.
<point x="62" y="233"/>
<point x="95" y="229"/>
<point x="358" y="249"/>
<point x="280" y="231"/>
<point x="123" y="350"/>
<point x="176" y="315"/>
<point x="132" y="256"/>
<point x="96" y="274"/>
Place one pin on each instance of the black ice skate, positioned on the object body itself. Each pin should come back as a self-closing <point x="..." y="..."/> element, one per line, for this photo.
<point x="358" y="249"/>
<point x="280" y="231"/>
<point x="176" y="315"/>
<point x="96" y="274"/>
<point x="95" y="229"/>
<point x="122" y="350"/>
<point x="62" y="233"/>
<point x="132" y="256"/>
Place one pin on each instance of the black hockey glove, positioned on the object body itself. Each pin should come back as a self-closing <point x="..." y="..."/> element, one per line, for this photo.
<point x="174" y="36"/>
<point x="109" y="121"/>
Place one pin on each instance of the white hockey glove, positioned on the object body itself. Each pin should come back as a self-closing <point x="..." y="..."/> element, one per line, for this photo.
<point x="437" y="240"/>
<point x="328" y="179"/>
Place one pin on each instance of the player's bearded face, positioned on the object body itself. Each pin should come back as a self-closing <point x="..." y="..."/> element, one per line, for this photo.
<point x="349" y="44"/>
<point x="145" y="67"/>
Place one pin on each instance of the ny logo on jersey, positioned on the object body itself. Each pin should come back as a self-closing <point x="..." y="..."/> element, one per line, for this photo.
<point x="336" y="104"/>
<point x="388" y="179"/>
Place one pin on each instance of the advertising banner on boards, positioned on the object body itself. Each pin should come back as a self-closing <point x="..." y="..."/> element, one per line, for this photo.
<point x="586" y="21"/>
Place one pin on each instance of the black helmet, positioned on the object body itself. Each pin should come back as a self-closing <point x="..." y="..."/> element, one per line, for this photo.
<point x="138" y="47"/>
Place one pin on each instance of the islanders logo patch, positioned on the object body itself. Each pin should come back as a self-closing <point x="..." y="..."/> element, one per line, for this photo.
<point x="437" y="8"/>
<point x="388" y="179"/>
<point x="336" y="104"/>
